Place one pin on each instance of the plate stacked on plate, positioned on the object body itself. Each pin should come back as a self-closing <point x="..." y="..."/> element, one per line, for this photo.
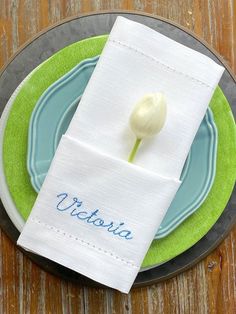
<point x="39" y="112"/>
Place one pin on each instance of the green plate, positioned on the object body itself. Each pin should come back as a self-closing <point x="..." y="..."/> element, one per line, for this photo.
<point x="14" y="156"/>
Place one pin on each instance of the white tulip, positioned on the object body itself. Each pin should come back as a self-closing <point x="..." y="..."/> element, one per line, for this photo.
<point x="147" y="118"/>
<point x="149" y="115"/>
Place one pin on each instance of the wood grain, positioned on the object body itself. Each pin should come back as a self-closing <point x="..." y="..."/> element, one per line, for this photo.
<point x="210" y="286"/>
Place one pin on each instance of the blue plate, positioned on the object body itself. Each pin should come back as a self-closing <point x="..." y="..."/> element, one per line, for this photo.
<point x="50" y="120"/>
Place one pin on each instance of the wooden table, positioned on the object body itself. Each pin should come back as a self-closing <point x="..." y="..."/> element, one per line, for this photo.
<point x="210" y="286"/>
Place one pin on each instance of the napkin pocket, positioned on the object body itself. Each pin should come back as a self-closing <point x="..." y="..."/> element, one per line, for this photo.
<point x="97" y="214"/>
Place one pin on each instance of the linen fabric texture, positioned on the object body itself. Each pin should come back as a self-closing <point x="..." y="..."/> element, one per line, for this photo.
<point x="96" y="213"/>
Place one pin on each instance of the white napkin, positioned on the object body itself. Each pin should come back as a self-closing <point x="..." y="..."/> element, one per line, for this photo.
<point x="96" y="213"/>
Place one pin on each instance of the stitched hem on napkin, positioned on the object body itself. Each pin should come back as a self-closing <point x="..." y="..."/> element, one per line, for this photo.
<point x="142" y="39"/>
<point x="79" y="255"/>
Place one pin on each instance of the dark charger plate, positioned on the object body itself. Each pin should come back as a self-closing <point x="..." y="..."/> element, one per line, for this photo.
<point x="74" y="29"/>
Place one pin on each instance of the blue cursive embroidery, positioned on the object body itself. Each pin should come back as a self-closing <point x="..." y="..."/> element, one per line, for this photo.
<point x="74" y="204"/>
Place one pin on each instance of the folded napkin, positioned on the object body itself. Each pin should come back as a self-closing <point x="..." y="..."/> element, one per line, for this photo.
<point x="96" y="213"/>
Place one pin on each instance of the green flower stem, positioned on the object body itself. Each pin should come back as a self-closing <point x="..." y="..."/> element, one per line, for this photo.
<point x="134" y="150"/>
